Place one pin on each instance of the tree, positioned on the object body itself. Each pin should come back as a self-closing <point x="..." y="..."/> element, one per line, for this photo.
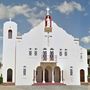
<point x="0" y="64"/>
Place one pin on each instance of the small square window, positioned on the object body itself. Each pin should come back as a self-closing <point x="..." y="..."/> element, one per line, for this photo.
<point x="35" y="53"/>
<point x="30" y="53"/>
<point x="71" y="70"/>
<point x="24" y="70"/>
<point x="60" y="52"/>
<point x="65" y="52"/>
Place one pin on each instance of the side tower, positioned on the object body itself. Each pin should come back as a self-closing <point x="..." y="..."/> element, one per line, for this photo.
<point x="9" y="38"/>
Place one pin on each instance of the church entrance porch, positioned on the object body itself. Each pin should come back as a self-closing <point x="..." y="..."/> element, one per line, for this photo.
<point x="47" y="73"/>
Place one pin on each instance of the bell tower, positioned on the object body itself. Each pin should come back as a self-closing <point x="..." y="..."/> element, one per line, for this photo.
<point x="48" y="22"/>
<point x="9" y="44"/>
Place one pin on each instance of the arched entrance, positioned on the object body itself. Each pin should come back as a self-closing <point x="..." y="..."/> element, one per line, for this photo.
<point x="48" y="74"/>
<point x="9" y="75"/>
<point x="57" y="74"/>
<point x="39" y="74"/>
<point x="82" y="76"/>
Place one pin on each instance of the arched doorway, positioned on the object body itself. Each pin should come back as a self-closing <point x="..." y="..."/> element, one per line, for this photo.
<point x="9" y="75"/>
<point x="39" y="74"/>
<point x="57" y="74"/>
<point x="48" y="74"/>
<point x="82" y="76"/>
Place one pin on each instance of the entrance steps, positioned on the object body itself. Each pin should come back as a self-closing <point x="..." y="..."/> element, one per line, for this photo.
<point x="84" y="83"/>
<point x="8" y="84"/>
<point x="48" y="83"/>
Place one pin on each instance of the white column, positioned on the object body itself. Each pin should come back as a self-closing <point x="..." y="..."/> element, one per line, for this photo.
<point x="34" y="76"/>
<point x="61" y="76"/>
<point x="43" y="75"/>
<point x="52" y="75"/>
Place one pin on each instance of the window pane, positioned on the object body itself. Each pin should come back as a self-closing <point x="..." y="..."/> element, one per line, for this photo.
<point x="35" y="53"/>
<point x="44" y="55"/>
<point x="24" y="70"/>
<point x="30" y="53"/>
<point x="10" y="34"/>
<point x="44" y="49"/>
<point x="71" y="70"/>
<point x="65" y="52"/>
<point x="51" y="55"/>
<point x="60" y="52"/>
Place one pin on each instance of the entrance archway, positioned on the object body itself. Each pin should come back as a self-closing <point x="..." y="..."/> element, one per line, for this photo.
<point x="82" y="76"/>
<point x="9" y="75"/>
<point x="39" y="74"/>
<point x="57" y="74"/>
<point x="48" y="74"/>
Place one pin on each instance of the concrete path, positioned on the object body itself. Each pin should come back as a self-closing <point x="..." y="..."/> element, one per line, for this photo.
<point x="45" y="87"/>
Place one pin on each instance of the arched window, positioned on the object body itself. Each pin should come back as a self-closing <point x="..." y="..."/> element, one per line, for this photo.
<point x="60" y="52"/>
<point x="35" y="52"/>
<point x="10" y="34"/>
<point x="71" y="70"/>
<point x="24" y="70"/>
<point x="30" y="51"/>
<point x="52" y="54"/>
<point x="65" y="52"/>
<point x="44" y="54"/>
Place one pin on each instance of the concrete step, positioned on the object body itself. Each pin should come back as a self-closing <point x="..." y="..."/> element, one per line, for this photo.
<point x="84" y="83"/>
<point x="49" y="83"/>
<point x="8" y="84"/>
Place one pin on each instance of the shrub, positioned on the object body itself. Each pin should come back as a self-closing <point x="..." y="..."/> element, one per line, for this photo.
<point x="1" y="79"/>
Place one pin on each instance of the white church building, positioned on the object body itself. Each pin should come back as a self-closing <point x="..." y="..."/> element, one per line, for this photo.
<point x="45" y="54"/>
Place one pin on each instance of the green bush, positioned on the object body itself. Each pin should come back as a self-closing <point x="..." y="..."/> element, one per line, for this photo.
<point x="1" y="79"/>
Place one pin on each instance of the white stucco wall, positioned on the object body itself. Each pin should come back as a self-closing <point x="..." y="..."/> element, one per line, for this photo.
<point x="16" y="53"/>
<point x="59" y="40"/>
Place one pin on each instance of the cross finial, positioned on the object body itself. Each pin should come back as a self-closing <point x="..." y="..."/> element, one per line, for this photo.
<point x="47" y="10"/>
<point x="10" y="19"/>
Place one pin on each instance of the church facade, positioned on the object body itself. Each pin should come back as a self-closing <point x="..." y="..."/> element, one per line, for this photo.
<point x="46" y="53"/>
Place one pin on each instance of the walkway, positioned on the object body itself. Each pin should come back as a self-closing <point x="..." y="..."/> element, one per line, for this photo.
<point x="58" y="87"/>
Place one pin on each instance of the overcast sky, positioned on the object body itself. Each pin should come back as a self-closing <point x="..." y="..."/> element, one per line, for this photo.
<point x="72" y="15"/>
